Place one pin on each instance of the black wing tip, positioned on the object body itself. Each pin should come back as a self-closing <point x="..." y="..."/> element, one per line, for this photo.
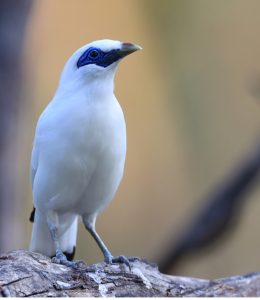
<point x="32" y="215"/>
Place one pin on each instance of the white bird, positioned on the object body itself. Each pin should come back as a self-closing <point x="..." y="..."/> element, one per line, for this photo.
<point x="79" y="151"/>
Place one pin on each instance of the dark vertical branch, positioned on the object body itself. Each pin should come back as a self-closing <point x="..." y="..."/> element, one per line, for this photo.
<point x="13" y="18"/>
<point x="218" y="213"/>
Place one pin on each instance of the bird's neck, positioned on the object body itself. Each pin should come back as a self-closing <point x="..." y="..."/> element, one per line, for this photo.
<point x="98" y="87"/>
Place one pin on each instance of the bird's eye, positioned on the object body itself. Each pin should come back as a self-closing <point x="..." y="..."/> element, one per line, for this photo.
<point x="93" y="53"/>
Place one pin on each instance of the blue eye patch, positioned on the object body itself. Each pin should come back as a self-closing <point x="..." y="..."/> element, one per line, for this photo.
<point x="98" y="57"/>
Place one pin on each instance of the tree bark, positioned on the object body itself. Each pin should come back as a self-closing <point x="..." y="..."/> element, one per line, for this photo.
<point x="28" y="274"/>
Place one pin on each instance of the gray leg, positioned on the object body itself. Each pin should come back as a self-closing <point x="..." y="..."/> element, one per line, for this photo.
<point x="89" y="223"/>
<point x="60" y="258"/>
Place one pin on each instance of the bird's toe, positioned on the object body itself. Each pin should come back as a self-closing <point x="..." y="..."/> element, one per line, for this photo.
<point x="61" y="259"/>
<point x="121" y="259"/>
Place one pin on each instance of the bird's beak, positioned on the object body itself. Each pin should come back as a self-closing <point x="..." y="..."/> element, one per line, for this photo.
<point x="128" y="48"/>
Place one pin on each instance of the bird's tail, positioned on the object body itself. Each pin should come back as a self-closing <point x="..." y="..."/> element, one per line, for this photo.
<point x="42" y="242"/>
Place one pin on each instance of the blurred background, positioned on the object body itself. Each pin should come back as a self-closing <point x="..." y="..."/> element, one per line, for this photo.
<point x="191" y="103"/>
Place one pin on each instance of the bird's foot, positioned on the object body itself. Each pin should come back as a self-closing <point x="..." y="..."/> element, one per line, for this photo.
<point x="109" y="259"/>
<point x="61" y="259"/>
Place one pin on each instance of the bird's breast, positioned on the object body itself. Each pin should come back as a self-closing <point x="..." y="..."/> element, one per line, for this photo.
<point x="82" y="148"/>
<point x="101" y="130"/>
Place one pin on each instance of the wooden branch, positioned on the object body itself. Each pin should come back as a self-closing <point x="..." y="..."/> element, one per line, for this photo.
<point x="24" y="273"/>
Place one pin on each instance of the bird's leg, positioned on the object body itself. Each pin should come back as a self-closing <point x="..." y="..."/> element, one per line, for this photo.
<point x="60" y="258"/>
<point x="109" y="258"/>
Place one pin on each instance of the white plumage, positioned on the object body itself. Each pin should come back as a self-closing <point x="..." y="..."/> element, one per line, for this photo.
<point x="79" y="150"/>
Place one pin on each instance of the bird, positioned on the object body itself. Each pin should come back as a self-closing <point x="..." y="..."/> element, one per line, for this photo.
<point x="78" y="152"/>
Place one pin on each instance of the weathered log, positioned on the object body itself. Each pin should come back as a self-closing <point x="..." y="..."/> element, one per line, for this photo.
<point x="24" y="273"/>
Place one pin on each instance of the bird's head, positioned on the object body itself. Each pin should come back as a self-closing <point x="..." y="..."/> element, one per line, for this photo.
<point x="96" y="60"/>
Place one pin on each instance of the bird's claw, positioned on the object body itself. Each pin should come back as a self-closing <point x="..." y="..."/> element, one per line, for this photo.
<point x="118" y="259"/>
<point x="64" y="262"/>
<point x="61" y="259"/>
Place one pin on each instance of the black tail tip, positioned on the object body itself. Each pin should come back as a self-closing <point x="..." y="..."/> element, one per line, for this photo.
<point x="70" y="255"/>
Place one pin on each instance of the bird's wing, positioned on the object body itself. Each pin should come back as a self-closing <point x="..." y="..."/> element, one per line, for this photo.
<point x="36" y="149"/>
<point x="34" y="162"/>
